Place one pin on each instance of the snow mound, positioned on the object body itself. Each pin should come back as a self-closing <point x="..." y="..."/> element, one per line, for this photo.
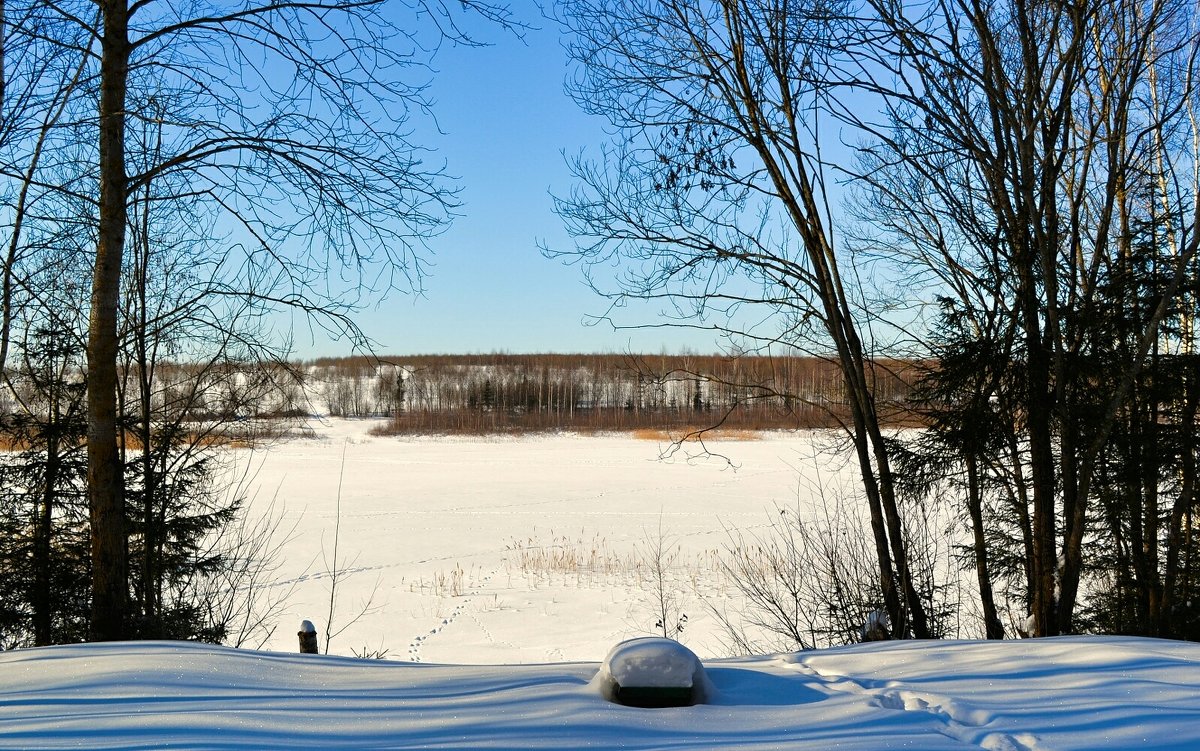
<point x="652" y="662"/>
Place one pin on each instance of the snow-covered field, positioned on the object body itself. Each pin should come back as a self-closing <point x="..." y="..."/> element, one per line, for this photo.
<point x="473" y="552"/>
<point x="514" y="550"/>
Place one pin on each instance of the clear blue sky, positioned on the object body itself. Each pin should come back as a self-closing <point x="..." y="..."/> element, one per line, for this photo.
<point x="507" y="122"/>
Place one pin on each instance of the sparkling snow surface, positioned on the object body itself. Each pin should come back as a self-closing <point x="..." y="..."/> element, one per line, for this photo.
<point x="1069" y="693"/>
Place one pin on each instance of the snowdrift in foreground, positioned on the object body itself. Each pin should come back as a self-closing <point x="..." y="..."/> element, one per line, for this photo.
<point x="1067" y="693"/>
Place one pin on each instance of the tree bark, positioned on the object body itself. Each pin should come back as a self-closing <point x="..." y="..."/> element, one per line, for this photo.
<point x="110" y="587"/>
<point x="993" y="628"/>
<point x="42" y="600"/>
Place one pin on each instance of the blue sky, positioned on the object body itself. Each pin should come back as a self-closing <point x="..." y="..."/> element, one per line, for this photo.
<point x="506" y="124"/>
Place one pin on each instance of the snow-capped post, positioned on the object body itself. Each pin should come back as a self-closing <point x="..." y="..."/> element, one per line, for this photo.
<point x="308" y="638"/>
<point x="651" y="672"/>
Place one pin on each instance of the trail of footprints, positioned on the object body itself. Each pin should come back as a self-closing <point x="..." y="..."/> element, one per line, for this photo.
<point x="960" y="721"/>
<point x="487" y="633"/>
<point x="350" y="570"/>
<point x="414" y="646"/>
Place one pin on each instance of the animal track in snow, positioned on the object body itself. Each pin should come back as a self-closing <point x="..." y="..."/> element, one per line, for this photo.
<point x="487" y="634"/>
<point x="414" y="647"/>
<point x="958" y="720"/>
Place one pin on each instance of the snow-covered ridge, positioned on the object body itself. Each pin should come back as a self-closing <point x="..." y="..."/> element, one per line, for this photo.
<point x="1066" y="694"/>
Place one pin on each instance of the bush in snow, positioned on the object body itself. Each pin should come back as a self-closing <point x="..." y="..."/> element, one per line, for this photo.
<point x="876" y="627"/>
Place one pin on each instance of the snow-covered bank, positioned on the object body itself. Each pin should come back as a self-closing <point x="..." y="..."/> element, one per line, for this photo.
<point x="1075" y="693"/>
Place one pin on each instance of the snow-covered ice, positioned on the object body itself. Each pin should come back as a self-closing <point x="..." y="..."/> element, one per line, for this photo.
<point x="511" y="550"/>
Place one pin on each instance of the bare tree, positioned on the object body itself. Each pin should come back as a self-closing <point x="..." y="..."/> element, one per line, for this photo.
<point x="1009" y="166"/>
<point x="1011" y="152"/>
<point x="658" y="553"/>
<point x="40" y="86"/>
<point x="286" y="120"/>
<point x="716" y="199"/>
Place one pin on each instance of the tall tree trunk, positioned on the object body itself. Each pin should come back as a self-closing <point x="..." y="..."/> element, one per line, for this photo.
<point x="1041" y="453"/>
<point x="152" y="530"/>
<point x="43" y="599"/>
<point x="110" y="578"/>
<point x="887" y="576"/>
<point x="1176" y="541"/>
<point x="993" y="628"/>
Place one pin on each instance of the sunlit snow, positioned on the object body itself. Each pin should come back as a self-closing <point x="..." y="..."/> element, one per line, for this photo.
<point x="514" y="550"/>
<point x="486" y="555"/>
<point x="1071" y="693"/>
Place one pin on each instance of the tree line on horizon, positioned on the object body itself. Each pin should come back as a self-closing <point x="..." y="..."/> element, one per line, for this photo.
<point x="537" y="392"/>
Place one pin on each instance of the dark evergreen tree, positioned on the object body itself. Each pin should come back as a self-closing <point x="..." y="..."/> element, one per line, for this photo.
<point x="1145" y="485"/>
<point x="176" y="512"/>
<point x="966" y="397"/>
<point x="44" y="558"/>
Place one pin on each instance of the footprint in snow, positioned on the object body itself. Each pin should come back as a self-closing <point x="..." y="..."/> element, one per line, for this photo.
<point x="959" y="721"/>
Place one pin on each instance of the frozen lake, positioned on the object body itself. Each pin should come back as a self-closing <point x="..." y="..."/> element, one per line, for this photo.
<point x="515" y="550"/>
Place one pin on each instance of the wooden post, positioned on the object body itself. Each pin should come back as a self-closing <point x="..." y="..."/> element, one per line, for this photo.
<point x="308" y="638"/>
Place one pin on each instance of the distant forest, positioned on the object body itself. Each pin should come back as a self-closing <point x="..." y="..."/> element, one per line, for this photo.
<point x="505" y="392"/>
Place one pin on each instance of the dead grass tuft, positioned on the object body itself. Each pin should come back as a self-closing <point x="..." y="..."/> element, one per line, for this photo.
<point x="695" y="434"/>
<point x="132" y="442"/>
